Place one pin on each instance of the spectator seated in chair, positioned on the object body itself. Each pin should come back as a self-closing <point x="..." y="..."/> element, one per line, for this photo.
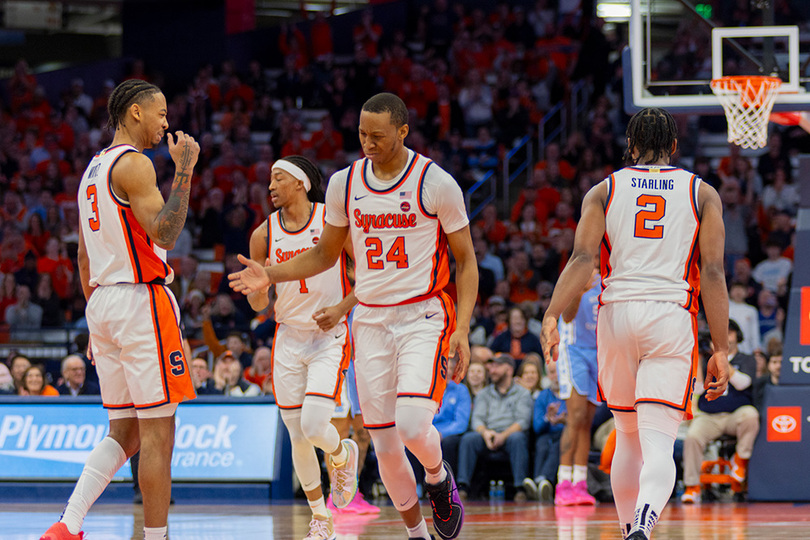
<point x="731" y="414"/>
<point x="502" y="414"/>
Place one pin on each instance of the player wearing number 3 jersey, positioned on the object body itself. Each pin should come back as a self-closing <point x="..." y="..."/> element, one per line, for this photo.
<point x="660" y="231"/>
<point x="403" y="212"/>
<point x="133" y="318"/>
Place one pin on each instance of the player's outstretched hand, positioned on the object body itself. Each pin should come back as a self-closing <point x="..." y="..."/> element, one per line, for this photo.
<point x="252" y="278"/>
<point x="460" y="347"/>
<point x="550" y="339"/>
<point x="717" y="371"/>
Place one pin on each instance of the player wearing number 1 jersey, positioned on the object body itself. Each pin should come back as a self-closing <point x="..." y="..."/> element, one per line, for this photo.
<point x="403" y="212"/>
<point x="660" y="230"/>
<point x="309" y="356"/>
<point x="133" y="317"/>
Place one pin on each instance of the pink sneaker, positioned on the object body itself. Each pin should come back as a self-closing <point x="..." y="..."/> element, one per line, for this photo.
<point x="360" y="505"/>
<point x="581" y="495"/>
<point x="564" y="495"/>
<point x="59" y="531"/>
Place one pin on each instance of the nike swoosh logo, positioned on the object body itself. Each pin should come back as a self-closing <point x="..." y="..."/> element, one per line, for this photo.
<point x="356" y="198"/>
<point x="278" y="239"/>
<point x="340" y="336"/>
<point x="431" y="315"/>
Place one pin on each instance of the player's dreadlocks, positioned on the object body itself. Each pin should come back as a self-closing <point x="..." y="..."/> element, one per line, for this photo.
<point x="124" y="95"/>
<point x="650" y="131"/>
<point x="315" y="193"/>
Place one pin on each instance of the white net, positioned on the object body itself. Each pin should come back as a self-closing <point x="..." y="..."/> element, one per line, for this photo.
<point x="748" y="102"/>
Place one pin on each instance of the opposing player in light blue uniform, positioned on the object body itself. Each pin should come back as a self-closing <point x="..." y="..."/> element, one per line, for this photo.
<point x="577" y="371"/>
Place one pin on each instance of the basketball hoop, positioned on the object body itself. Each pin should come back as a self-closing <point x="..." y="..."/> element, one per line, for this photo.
<point x="748" y="101"/>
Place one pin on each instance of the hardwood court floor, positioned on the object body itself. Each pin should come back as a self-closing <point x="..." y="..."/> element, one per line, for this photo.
<point x="505" y="521"/>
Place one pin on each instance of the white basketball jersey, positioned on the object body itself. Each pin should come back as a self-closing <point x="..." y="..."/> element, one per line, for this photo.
<point x="119" y="249"/>
<point x="650" y="249"/>
<point x="298" y="300"/>
<point x="400" y="248"/>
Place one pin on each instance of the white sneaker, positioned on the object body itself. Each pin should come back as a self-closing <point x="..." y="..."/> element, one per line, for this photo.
<point x="321" y="528"/>
<point x="344" y="478"/>
<point x="546" y="491"/>
<point x="531" y="489"/>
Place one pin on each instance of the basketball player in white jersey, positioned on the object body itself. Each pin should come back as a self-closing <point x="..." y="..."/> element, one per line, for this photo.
<point x="654" y="224"/>
<point x="133" y="317"/>
<point x="308" y="363"/>
<point x="402" y="211"/>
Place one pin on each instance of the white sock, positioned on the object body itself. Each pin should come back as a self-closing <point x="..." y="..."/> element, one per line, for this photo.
<point x="342" y="457"/>
<point x="564" y="472"/>
<point x="580" y="474"/>
<point x="155" y="533"/>
<point x="319" y="507"/>
<point x="420" y="531"/>
<point x="102" y="464"/>
<point x="437" y="478"/>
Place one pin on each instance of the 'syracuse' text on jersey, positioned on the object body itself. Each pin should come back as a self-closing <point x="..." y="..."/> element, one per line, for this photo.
<point x="650" y="249"/>
<point x="118" y="247"/>
<point x="298" y="300"/>
<point x="398" y="228"/>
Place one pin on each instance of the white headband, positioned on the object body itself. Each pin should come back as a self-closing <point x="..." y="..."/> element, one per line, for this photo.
<point x="296" y="172"/>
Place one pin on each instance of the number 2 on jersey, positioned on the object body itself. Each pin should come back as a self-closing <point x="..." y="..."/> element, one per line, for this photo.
<point x="92" y="196"/>
<point x="644" y="229"/>
<point x="396" y="254"/>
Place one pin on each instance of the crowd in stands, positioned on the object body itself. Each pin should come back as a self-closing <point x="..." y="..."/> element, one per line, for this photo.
<point x="475" y="82"/>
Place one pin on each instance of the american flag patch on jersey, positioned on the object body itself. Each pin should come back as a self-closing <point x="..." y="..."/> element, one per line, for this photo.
<point x="405" y="194"/>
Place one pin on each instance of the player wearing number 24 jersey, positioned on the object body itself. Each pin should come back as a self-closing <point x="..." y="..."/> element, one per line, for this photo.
<point x="403" y="213"/>
<point x="661" y="235"/>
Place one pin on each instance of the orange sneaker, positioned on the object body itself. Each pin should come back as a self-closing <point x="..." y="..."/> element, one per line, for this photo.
<point x="691" y="495"/>
<point x="59" y="531"/>
<point x="739" y="468"/>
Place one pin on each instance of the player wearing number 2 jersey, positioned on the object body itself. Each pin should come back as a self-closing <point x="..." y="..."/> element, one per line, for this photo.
<point x="308" y="363"/>
<point x="660" y="230"/>
<point x="133" y="318"/>
<point x="403" y="212"/>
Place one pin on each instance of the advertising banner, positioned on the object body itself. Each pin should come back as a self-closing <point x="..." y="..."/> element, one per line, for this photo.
<point x="213" y="441"/>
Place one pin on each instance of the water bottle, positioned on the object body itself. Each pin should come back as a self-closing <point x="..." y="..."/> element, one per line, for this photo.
<point x="500" y="490"/>
<point x="493" y="490"/>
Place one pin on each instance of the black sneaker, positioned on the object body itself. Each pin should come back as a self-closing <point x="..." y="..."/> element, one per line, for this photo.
<point x="448" y="510"/>
<point x="638" y="535"/>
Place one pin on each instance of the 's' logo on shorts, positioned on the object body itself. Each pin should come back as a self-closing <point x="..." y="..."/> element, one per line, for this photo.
<point x="178" y="366"/>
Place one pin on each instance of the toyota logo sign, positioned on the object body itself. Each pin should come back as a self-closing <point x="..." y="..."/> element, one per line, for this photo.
<point x="784" y="423"/>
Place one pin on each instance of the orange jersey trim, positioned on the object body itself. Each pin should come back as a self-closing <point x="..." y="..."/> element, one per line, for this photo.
<point x="379" y="426"/>
<point x="409" y="170"/>
<point x="419" y="187"/>
<point x="440" y="357"/>
<point x="345" y="358"/>
<point x="175" y="374"/>
<point x="691" y="271"/>
<point x="302" y="229"/>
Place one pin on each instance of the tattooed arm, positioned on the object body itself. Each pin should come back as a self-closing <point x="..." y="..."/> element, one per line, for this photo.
<point x="134" y="180"/>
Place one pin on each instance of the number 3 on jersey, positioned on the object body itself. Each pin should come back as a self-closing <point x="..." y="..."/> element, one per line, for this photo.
<point x="653" y="208"/>
<point x="396" y="254"/>
<point x="92" y="196"/>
